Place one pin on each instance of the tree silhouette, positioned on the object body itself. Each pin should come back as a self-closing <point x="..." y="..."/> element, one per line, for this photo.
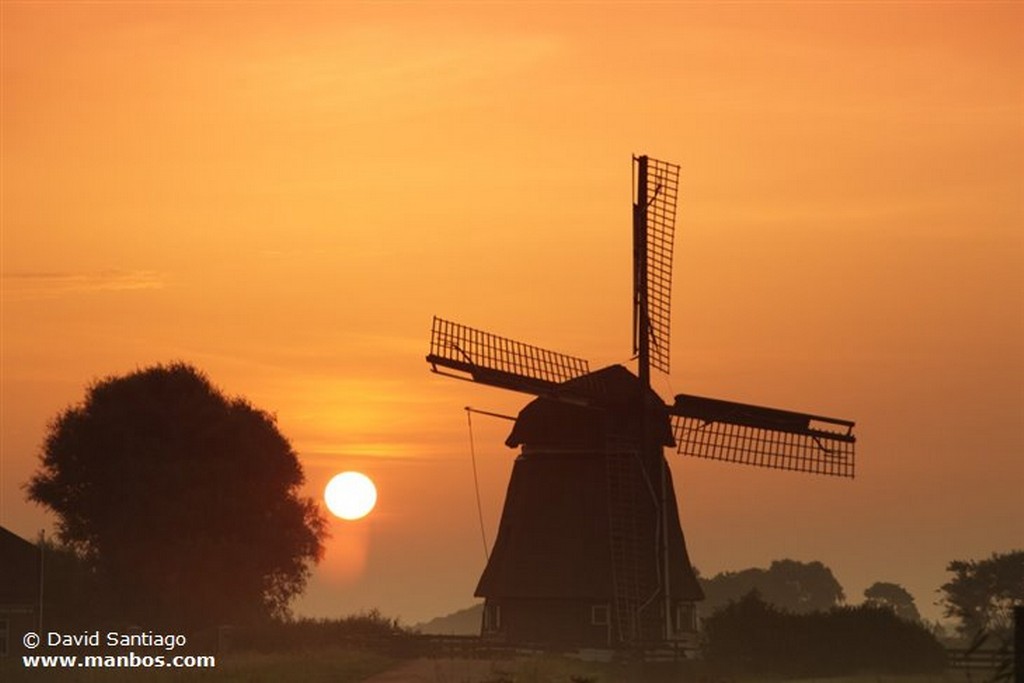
<point x="183" y="501"/>
<point x="892" y="596"/>
<point x="982" y="594"/>
<point x="751" y="636"/>
<point x="799" y="587"/>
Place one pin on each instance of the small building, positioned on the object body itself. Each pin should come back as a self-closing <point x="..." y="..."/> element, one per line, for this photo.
<point x="19" y="590"/>
<point x="580" y="557"/>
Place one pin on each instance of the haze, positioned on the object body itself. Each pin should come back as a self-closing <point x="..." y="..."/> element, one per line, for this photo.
<point x="284" y="195"/>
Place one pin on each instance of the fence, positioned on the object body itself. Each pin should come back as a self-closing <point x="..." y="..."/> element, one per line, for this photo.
<point x="980" y="660"/>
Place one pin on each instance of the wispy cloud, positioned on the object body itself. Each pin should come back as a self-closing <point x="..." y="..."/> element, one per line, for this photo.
<point x="41" y="284"/>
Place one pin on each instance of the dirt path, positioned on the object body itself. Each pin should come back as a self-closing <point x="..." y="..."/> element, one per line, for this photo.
<point x="443" y="670"/>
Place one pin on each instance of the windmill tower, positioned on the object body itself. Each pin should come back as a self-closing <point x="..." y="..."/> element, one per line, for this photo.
<point x="590" y="551"/>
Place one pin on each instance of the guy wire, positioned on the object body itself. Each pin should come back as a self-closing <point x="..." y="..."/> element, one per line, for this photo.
<point x="476" y="484"/>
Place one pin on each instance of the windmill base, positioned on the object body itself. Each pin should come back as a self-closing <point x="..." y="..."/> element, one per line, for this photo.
<point x="584" y="626"/>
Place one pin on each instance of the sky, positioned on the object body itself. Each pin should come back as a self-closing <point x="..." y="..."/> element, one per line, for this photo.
<point x="285" y="195"/>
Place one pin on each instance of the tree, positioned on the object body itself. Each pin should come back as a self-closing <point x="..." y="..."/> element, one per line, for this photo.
<point x="184" y="502"/>
<point x="982" y="594"/>
<point x="892" y="596"/>
<point x="799" y="587"/>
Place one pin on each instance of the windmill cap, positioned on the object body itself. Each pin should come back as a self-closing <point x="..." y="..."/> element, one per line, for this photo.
<point x="589" y="410"/>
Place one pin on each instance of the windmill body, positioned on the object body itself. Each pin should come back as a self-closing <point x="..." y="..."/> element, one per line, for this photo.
<point x="590" y="551"/>
<point x="576" y="559"/>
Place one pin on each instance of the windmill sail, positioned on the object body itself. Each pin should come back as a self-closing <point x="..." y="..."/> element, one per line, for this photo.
<point x="479" y="356"/>
<point x="764" y="437"/>
<point x="654" y="220"/>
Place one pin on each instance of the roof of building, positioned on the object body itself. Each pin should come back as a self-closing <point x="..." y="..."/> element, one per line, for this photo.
<point x="19" y="569"/>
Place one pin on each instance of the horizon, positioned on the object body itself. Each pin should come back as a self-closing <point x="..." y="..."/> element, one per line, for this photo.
<point x="286" y="196"/>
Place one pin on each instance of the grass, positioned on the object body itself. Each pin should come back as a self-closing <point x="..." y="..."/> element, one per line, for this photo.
<point x="347" y="665"/>
<point x="951" y="677"/>
<point x="563" y="670"/>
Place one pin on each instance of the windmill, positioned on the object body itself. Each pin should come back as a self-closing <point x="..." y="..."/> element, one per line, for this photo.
<point x="589" y="549"/>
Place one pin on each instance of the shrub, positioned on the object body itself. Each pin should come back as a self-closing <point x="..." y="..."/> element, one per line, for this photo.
<point x="751" y="636"/>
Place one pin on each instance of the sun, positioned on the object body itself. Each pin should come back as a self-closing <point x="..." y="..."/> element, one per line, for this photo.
<point x="350" y="495"/>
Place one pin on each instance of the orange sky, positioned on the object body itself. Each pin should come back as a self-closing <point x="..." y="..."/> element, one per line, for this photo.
<point x="285" y="194"/>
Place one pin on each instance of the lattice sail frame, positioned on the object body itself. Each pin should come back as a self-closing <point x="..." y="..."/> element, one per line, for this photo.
<point x="763" y="437"/>
<point x="490" y="359"/>
<point x="662" y="194"/>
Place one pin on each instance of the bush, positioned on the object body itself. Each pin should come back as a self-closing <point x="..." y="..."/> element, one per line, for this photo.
<point x="751" y="636"/>
<point x="362" y="629"/>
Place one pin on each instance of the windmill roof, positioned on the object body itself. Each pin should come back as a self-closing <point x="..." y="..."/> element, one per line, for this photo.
<point x="591" y="409"/>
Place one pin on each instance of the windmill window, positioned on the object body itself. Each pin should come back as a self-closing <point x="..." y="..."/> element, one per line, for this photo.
<point x="684" y="617"/>
<point x="599" y="615"/>
<point x="492" y="618"/>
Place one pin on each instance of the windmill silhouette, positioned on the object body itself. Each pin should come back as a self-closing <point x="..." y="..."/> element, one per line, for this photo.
<point x="590" y="550"/>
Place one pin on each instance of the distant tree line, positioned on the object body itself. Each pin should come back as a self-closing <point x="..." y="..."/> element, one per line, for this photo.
<point x="753" y="636"/>
<point x="790" y="619"/>
<point x="798" y="587"/>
